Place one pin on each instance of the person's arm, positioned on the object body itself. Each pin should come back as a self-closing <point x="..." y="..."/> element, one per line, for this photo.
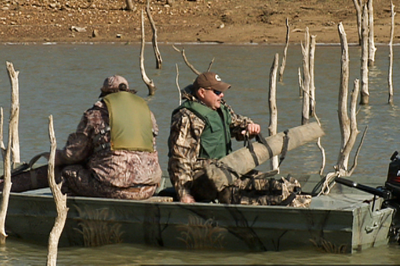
<point x="184" y="147"/>
<point x="240" y="124"/>
<point x="155" y="130"/>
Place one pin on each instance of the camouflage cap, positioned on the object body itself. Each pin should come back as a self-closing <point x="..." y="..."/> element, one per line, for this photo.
<point x="114" y="84"/>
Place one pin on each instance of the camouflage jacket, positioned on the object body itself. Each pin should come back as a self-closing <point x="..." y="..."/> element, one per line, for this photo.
<point x="184" y="145"/>
<point x="119" y="168"/>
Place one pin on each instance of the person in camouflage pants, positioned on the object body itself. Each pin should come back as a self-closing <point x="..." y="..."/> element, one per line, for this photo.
<point x="112" y="153"/>
<point x="201" y="131"/>
<point x="200" y="135"/>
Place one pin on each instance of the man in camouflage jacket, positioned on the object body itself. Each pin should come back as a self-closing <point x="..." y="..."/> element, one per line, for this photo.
<point x="112" y="153"/>
<point x="203" y="113"/>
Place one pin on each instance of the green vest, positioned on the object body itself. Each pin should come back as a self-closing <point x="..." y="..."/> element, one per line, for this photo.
<point x="215" y="141"/>
<point x="130" y="122"/>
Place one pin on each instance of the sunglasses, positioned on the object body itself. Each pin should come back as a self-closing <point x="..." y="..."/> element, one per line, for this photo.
<point x="218" y="93"/>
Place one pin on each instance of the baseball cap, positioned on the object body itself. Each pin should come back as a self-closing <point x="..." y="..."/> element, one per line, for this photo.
<point x="210" y="80"/>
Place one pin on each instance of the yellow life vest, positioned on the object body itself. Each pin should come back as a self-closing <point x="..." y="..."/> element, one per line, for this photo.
<point x="130" y="122"/>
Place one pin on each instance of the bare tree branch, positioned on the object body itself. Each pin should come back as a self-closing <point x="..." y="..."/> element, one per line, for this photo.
<point x="177" y="85"/>
<point x="282" y="68"/>
<point x="186" y="61"/>
<point x="154" y="39"/>
<point x="149" y="83"/>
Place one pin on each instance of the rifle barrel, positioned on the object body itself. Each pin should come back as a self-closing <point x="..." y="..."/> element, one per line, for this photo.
<point x="384" y="193"/>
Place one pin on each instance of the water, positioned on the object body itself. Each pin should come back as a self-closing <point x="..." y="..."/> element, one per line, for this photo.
<point x="64" y="80"/>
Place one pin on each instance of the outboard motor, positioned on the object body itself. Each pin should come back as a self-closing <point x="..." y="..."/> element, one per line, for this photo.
<point x="390" y="193"/>
<point x="392" y="184"/>
<point x="393" y="176"/>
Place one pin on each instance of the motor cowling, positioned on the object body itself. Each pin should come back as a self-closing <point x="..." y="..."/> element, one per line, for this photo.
<point x="393" y="176"/>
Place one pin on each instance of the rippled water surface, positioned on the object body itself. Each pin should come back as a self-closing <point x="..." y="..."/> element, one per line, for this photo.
<point x="64" y="80"/>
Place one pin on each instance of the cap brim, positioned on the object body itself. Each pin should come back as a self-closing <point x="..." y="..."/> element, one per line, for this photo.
<point x="221" y="86"/>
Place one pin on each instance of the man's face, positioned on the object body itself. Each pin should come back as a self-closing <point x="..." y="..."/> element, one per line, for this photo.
<point x="212" y="98"/>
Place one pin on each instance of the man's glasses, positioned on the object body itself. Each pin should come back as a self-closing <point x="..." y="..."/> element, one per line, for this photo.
<point x="218" y="93"/>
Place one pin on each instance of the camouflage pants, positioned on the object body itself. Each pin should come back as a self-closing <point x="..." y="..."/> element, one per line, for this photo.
<point x="257" y="190"/>
<point x="253" y="189"/>
<point x="79" y="181"/>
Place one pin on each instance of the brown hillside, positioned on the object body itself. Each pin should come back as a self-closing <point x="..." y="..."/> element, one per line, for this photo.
<point x="225" y="21"/>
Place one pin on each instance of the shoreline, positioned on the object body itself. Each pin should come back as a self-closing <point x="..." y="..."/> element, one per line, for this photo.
<point x="182" y="43"/>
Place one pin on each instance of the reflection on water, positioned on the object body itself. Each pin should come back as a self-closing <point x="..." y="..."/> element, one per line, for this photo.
<point x="17" y="253"/>
<point x="64" y="80"/>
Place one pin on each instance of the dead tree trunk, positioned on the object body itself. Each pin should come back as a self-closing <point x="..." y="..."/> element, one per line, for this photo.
<point x="300" y="82"/>
<point x="6" y="190"/>
<point x="364" y="99"/>
<point x="306" y="81"/>
<point x="348" y="127"/>
<point x="7" y="162"/>
<point x="273" y="110"/>
<point x="371" y="37"/>
<point x="390" y="75"/>
<point x="154" y="39"/>
<point x="15" y="149"/>
<point x="59" y="199"/>
<point x="282" y="68"/>
<point x="312" y="83"/>
<point x="129" y="5"/>
<point x="2" y="147"/>
<point x="344" y="121"/>
<point x="342" y="165"/>
<point x="358" y="4"/>
<point x="149" y="83"/>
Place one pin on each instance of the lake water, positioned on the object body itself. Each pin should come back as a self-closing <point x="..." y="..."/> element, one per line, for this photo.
<point x="63" y="80"/>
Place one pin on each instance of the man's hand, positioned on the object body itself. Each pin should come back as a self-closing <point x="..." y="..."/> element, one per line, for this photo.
<point x="187" y="199"/>
<point x="252" y="129"/>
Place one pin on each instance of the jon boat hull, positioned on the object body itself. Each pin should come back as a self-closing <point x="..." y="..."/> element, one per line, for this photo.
<point x="336" y="222"/>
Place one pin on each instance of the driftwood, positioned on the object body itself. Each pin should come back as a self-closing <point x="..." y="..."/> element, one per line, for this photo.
<point x="186" y="60"/>
<point x="149" y="83"/>
<point x="273" y="110"/>
<point x="283" y="65"/>
<point x="306" y="80"/>
<point x="390" y="71"/>
<point x="358" y="4"/>
<point x="364" y="99"/>
<point x="371" y="37"/>
<point x="154" y="39"/>
<point x="59" y="199"/>
<point x="13" y="75"/>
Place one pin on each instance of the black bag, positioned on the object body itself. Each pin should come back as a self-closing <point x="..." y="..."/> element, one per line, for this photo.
<point x="27" y="177"/>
